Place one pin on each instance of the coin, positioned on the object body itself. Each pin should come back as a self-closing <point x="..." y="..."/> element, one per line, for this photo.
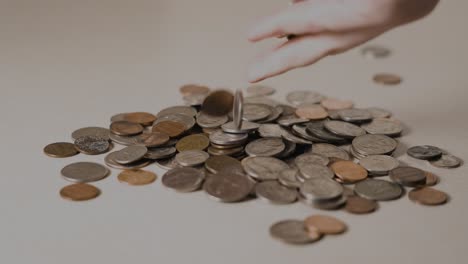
<point x="328" y="204"/>
<point x="274" y="192"/>
<point x="289" y="178"/>
<point x="191" y="89"/>
<point x="153" y="139"/>
<point x="377" y="112"/>
<point x="194" y="99"/>
<point x="379" y="190"/>
<point x="387" y="79"/>
<point x="330" y="151"/>
<point x="216" y="164"/>
<point x="260" y="90"/>
<point x="255" y="112"/>
<point x="263" y="168"/>
<point x="293" y="232"/>
<point x="208" y="121"/>
<point x="312" y="170"/>
<point x="181" y="109"/>
<point x="218" y="103"/>
<point x="84" y="172"/>
<point x="317" y="129"/>
<point x="137" y="177"/>
<point x="299" y="97"/>
<point x="168" y="163"/>
<point x="190" y="158"/>
<point x="124" y="140"/>
<point x="359" y="205"/>
<point x="344" y="129"/>
<point x="354" y="115"/>
<point x="193" y="142"/>
<point x="142" y="118"/>
<point x="91" y="131"/>
<point x="327" y="225"/>
<point x="311" y="158"/>
<point x="60" y="150"/>
<point x="288" y="136"/>
<point x="276" y="112"/>
<point x="375" y="52"/>
<point x="246" y="127"/>
<point x="228" y="186"/>
<point x="428" y="196"/>
<point x="79" y="192"/>
<point x="188" y="121"/>
<point x="378" y="165"/>
<point x="383" y="126"/>
<point x="408" y="176"/>
<point x="238" y="109"/>
<point x="336" y="104"/>
<point x="221" y="138"/>
<point x="321" y="188"/>
<point x="130" y="154"/>
<point x="290" y="120"/>
<point x="446" y="161"/>
<point x="374" y="144"/>
<point x="431" y="178"/>
<point x="92" y="145"/>
<point x="160" y="153"/>
<point x="270" y="130"/>
<point x="125" y="128"/>
<point x="265" y="147"/>
<point x="348" y="171"/>
<point x="183" y="179"/>
<point x="110" y="161"/>
<point x="301" y="131"/>
<point x="225" y="151"/>
<point x="171" y="128"/>
<point x="313" y="112"/>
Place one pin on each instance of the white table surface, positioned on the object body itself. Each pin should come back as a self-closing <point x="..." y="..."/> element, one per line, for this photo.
<point x="70" y="64"/>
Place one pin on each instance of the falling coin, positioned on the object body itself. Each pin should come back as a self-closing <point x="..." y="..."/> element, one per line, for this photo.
<point x="218" y="103"/>
<point x="387" y="79"/>
<point x="60" y="150"/>
<point x="191" y="89"/>
<point x="79" y="192"/>
<point x="137" y="177"/>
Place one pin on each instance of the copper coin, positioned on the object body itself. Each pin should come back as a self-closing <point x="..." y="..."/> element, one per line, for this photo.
<point x="359" y="205"/>
<point x="387" y="79"/>
<point x="312" y="112"/>
<point x="60" y="150"/>
<point x="431" y="178"/>
<point x="428" y="196"/>
<point x="142" y="118"/>
<point x="408" y="176"/>
<point x="336" y="104"/>
<point x="218" y="103"/>
<point x="79" y="192"/>
<point x="193" y="142"/>
<point x="349" y="171"/>
<point x="325" y="224"/>
<point x="171" y="128"/>
<point x="137" y="177"/>
<point x="125" y="128"/>
<point x="193" y="89"/>
<point x="154" y="139"/>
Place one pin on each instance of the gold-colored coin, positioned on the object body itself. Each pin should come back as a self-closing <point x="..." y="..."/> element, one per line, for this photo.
<point x="431" y="178"/>
<point x="312" y="112"/>
<point x="79" y="192"/>
<point x="137" y="177"/>
<point x="348" y="171"/>
<point x="325" y="224"/>
<point x="193" y="142"/>
<point x="192" y="89"/>
<point x="171" y="128"/>
<point x="387" y="79"/>
<point x="60" y="150"/>
<point x="428" y="196"/>
<point x="333" y="104"/>
<point x="142" y="118"/>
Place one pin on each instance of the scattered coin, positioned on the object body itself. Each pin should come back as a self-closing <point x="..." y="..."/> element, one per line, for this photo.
<point x="312" y="170"/>
<point x="216" y="164"/>
<point x="383" y="126"/>
<point x="142" y="118"/>
<point x="191" y="89"/>
<point x="270" y="130"/>
<point x="265" y="147"/>
<point x="348" y="171"/>
<point x="344" y="129"/>
<point x="208" y="121"/>
<point x="110" y="161"/>
<point x="274" y="192"/>
<point x="91" y="131"/>
<point x="359" y="205"/>
<point x="387" y="79"/>
<point x="374" y="144"/>
<point x="181" y="109"/>
<point x="379" y="190"/>
<point x="336" y="104"/>
<point x="191" y="158"/>
<point x="218" y="103"/>
<point x="125" y="128"/>
<point x="183" y="179"/>
<point x="318" y="130"/>
<point x="299" y="97"/>
<point x="260" y="90"/>
<point x="188" y="121"/>
<point x="375" y="52"/>
<point x="293" y="232"/>
<point x="130" y="154"/>
<point x="428" y="196"/>
<point x="431" y="178"/>
<point x="313" y="112"/>
<point x="193" y="142"/>
<point x="264" y="168"/>
<point x="171" y="128"/>
<point x="408" y="176"/>
<point x="289" y="178"/>
<point x="379" y="165"/>
<point x="84" y="172"/>
<point x="246" y="127"/>
<point x="160" y="153"/>
<point x="221" y="138"/>
<point x="60" y="150"/>
<point x="446" y="161"/>
<point x="377" y="112"/>
<point x="311" y="158"/>
<point x="326" y="224"/>
<point x="321" y="188"/>
<point x="256" y="112"/>
<point x="79" y="192"/>
<point x="228" y="186"/>
<point x="330" y="151"/>
<point x="153" y="139"/>
<point x="137" y="177"/>
<point x="92" y="145"/>
<point x="425" y="152"/>
<point x="354" y="115"/>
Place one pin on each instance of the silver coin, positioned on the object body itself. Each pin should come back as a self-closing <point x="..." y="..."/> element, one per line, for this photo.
<point x="246" y="127"/>
<point x="311" y="170"/>
<point x="190" y="158"/>
<point x="261" y="100"/>
<point x="184" y="110"/>
<point x="288" y="150"/>
<point x="321" y="188"/>
<point x="194" y="99"/>
<point x="276" y="193"/>
<point x="378" y="165"/>
<point x="183" y="179"/>
<point x="255" y="112"/>
<point x="270" y="130"/>
<point x="375" y="52"/>
<point x="333" y="114"/>
<point x="383" y="126"/>
<point x="130" y="154"/>
<point x="290" y="120"/>
<point x="110" y="161"/>
<point x="331" y="204"/>
<point x="209" y="121"/>
<point x="311" y="158"/>
<point x="292" y="138"/>
<point x="275" y="114"/>
<point x="168" y="163"/>
<point x="92" y="145"/>
<point x="225" y="151"/>
<point x="160" y="153"/>
<point x="126" y="141"/>
<point x="408" y="176"/>
<point x="221" y="138"/>
<point x="355" y="115"/>
<point x="301" y="131"/>
<point x="84" y="172"/>
<point x="330" y="151"/>
<point x="317" y="129"/>
<point x="425" y="152"/>
<point x="238" y="109"/>
<point x="228" y="187"/>
<point x="299" y="97"/>
<point x="263" y="168"/>
<point x="378" y="112"/>
<point x="289" y="178"/>
<point x="187" y="120"/>
<point x="260" y="90"/>
<point x="344" y="129"/>
<point x="446" y="161"/>
<point x="287" y="110"/>
<point x="374" y="144"/>
<point x="91" y="131"/>
<point x="265" y="147"/>
<point x="379" y="190"/>
<point x="291" y="232"/>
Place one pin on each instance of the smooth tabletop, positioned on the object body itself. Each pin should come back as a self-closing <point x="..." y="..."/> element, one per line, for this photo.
<point x="70" y="64"/>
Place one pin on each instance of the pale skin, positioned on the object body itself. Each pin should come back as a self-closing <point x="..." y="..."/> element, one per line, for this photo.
<point x="327" y="27"/>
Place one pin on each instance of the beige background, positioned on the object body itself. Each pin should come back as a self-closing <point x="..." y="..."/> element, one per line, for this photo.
<point x="68" y="64"/>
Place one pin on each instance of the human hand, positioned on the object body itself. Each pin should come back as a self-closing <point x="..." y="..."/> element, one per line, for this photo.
<point x="327" y="27"/>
